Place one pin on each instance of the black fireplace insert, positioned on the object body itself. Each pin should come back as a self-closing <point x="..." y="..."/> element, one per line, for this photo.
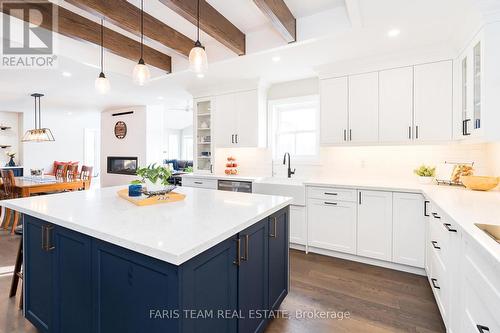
<point x="122" y="165"/>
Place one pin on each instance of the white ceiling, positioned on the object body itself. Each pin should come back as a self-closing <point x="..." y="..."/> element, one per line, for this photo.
<point x="325" y="36"/>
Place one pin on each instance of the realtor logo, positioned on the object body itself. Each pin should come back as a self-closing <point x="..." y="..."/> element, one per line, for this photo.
<point x="27" y="31"/>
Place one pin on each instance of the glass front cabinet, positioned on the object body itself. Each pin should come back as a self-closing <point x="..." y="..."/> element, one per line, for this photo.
<point x="203" y="144"/>
<point x="471" y="83"/>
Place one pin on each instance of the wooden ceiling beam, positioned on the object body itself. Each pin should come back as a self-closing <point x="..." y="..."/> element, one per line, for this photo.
<point x="128" y="17"/>
<point x="211" y="21"/>
<point x="281" y="17"/>
<point x="77" y="27"/>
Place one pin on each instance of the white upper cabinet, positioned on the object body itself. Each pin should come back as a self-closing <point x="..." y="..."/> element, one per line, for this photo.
<point x="240" y="119"/>
<point x="408" y="237"/>
<point x="334" y="110"/>
<point x="402" y="105"/>
<point x="396" y="105"/>
<point x="433" y="101"/>
<point x="375" y="225"/>
<point x="225" y="121"/>
<point x="247" y="122"/>
<point x="363" y="108"/>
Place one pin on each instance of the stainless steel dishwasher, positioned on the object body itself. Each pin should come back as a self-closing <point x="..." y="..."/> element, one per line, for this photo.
<point x="234" y="186"/>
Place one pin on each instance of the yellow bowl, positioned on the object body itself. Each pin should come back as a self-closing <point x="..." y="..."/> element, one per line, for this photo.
<point x="479" y="183"/>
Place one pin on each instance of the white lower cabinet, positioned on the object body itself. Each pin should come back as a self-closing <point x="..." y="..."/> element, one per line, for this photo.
<point x="408" y="229"/>
<point x="298" y="225"/>
<point x="382" y="225"/>
<point x="375" y="225"/>
<point x="332" y="225"/>
<point x="480" y="305"/>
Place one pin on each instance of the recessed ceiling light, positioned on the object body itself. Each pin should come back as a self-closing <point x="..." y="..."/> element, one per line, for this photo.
<point x="393" y="32"/>
<point x="200" y="75"/>
<point x="160" y="98"/>
<point x="276" y="58"/>
<point x="66" y="74"/>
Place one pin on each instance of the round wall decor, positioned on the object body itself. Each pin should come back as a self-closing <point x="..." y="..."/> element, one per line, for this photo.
<point x="120" y="130"/>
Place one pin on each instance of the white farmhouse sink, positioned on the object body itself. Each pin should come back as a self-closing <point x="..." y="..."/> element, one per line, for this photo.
<point x="288" y="187"/>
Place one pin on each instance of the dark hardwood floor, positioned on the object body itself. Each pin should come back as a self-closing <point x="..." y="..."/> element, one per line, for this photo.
<point x="377" y="300"/>
<point x="8" y="248"/>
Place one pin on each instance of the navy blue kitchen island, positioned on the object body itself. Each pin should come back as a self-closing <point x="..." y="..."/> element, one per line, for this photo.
<point x="75" y="282"/>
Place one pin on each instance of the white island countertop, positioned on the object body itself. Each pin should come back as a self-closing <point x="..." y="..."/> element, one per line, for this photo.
<point x="172" y="232"/>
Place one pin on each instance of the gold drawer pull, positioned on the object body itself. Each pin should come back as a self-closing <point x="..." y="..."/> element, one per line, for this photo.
<point x="245" y="256"/>
<point x="237" y="262"/>
<point x="46" y="239"/>
<point x="274" y="234"/>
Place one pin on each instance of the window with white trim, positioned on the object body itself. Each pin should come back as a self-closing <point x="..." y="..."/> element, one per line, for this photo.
<point x="295" y="128"/>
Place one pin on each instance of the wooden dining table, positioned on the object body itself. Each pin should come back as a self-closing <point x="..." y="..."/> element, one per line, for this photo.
<point x="26" y="186"/>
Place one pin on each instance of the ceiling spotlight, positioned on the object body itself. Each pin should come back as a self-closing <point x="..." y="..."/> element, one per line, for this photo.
<point x="160" y="98"/>
<point x="200" y="75"/>
<point x="393" y="32"/>
<point x="276" y="58"/>
<point x="66" y="74"/>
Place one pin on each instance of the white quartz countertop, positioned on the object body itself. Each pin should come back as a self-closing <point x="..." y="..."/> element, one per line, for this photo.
<point x="221" y="176"/>
<point x="172" y="232"/>
<point x="382" y="184"/>
<point x="466" y="208"/>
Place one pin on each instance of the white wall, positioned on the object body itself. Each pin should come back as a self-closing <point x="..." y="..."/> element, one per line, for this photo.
<point x="154" y="134"/>
<point x="11" y="136"/>
<point x="133" y="145"/>
<point x="297" y="88"/>
<point x="493" y="150"/>
<point x="68" y="129"/>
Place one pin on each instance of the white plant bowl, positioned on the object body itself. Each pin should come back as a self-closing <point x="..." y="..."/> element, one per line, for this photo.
<point x="425" y="180"/>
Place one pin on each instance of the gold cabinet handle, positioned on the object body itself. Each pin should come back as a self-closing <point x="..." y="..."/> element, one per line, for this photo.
<point x="245" y="256"/>
<point x="46" y="239"/>
<point x="274" y="234"/>
<point x="237" y="262"/>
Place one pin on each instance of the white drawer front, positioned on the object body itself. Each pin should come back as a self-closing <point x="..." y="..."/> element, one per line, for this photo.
<point x="440" y="285"/>
<point x="331" y="193"/>
<point x="200" y="182"/>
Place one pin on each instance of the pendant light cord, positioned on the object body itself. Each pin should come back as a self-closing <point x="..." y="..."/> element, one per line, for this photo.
<point x="36" y="115"/>
<point x="39" y="112"/>
<point x="102" y="45"/>
<point x="198" y="22"/>
<point x="142" y="28"/>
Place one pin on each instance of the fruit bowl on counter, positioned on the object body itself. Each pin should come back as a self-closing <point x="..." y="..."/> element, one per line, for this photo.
<point x="480" y="183"/>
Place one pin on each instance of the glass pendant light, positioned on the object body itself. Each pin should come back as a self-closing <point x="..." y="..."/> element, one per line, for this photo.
<point x="141" y="72"/>
<point x="198" y="62"/>
<point x="38" y="134"/>
<point x="102" y="83"/>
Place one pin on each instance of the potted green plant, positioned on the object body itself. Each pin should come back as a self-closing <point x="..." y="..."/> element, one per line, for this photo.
<point x="154" y="177"/>
<point x="425" y="174"/>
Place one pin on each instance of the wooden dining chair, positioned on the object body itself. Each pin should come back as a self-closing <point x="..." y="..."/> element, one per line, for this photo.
<point x="72" y="172"/>
<point x="86" y="173"/>
<point x="60" y="172"/>
<point x="9" y="192"/>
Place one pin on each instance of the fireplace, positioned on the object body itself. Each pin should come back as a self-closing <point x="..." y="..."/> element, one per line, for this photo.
<point x="122" y="165"/>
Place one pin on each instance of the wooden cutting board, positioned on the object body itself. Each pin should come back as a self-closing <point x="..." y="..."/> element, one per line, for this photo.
<point x="145" y="201"/>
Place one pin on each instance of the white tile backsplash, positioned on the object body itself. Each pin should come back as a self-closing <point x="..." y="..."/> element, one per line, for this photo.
<point x="397" y="162"/>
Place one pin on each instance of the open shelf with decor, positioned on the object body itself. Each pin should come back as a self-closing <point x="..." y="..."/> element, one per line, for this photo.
<point x="203" y="128"/>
